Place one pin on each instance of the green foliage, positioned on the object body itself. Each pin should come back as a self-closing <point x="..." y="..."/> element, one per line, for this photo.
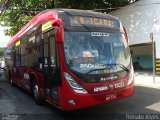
<point x="91" y="4"/>
<point x="19" y="12"/>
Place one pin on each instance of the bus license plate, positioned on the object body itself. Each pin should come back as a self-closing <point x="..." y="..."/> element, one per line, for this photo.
<point x="110" y="97"/>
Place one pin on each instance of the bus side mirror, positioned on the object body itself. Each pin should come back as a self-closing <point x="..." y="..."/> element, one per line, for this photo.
<point x="125" y="34"/>
<point x="59" y="30"/>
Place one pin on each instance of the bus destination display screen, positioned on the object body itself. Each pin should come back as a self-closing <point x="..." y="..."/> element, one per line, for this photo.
<point x="93" y="21"/>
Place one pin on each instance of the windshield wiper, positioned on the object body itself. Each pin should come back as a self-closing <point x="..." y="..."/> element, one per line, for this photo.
<point x="96" y="70"/>
<point x="122" y="66"/>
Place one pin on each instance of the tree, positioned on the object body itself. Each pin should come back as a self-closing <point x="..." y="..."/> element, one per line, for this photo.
<point x="16" y="13"/>
<point x="92" y="4"/>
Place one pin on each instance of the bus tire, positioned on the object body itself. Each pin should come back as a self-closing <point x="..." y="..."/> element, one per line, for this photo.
<point x="10" y="79"/>
<point x="35" y="93"/>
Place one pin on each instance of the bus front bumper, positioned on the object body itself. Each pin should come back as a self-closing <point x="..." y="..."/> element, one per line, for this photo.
<point x="75" y="101"/>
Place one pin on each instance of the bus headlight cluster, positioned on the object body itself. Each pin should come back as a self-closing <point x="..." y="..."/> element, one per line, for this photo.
<point x="131" y="77"/>
<point x="75" y="86"/>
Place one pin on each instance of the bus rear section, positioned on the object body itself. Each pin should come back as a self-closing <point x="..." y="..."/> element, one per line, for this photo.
<point x="72" y="59"/>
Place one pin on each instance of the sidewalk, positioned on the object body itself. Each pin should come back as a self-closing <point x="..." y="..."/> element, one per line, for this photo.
<point x="145" y="78"/>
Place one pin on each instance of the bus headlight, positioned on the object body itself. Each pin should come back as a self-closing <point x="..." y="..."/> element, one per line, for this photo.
<point x="131" y="77"/>
<point x="75" y="86"/>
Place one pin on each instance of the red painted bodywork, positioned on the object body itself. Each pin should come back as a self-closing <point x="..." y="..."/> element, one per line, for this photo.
<point x="88" y="100"/>
<point x="64" y="90"/>
<point x="50" y="15"/>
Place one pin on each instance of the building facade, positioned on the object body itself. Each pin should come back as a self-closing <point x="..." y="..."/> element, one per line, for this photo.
<point x="140" y="20"/>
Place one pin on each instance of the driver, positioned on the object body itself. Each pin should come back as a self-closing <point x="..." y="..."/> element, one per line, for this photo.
<point x="85" y="49"/>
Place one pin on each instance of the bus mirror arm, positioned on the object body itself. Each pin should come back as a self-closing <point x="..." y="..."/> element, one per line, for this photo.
<point x="59" y="30"/>
<point x="125" y="34"/>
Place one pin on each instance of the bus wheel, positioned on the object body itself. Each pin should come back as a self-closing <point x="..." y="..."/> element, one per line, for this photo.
<point x="35" y="91"/>
<point x="11" y="81"/>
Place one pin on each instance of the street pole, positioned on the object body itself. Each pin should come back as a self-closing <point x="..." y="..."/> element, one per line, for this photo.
<point x="153" y="56"/>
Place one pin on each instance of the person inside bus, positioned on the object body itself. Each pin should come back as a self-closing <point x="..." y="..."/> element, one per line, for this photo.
<point x="86" y="49"/>
<point x="83" y="47"/>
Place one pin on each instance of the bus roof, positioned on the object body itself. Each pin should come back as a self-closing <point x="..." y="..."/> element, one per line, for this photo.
<point x="88" y="13"/>
<point x="52" y="14"/>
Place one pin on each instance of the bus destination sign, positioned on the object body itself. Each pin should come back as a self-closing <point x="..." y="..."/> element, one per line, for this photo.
<point x="92" y="21"/>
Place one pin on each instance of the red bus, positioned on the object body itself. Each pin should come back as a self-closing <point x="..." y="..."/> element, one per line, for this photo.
<point x="72" y="59"/>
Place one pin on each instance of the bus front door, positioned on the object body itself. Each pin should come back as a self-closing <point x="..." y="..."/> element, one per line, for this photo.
<point x="50" y="65"/>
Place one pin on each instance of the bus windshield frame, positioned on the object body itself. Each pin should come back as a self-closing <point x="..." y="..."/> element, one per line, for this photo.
<point x="87" y="64"/>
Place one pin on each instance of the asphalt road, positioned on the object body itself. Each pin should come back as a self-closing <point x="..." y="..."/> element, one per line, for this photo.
<point x="16" y="104"/>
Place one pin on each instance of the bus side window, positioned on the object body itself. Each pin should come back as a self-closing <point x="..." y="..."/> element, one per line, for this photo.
<point x="52" y="51"/>
<point x="39" y="63"/>
<point x="17" y="50"/>
<point x="49" y="52"/>
<point x="46" y="55"/>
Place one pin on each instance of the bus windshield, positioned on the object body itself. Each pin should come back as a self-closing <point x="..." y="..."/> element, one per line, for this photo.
<point x="96" y="52"/>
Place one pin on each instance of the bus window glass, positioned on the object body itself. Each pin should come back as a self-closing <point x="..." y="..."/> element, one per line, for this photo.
<point x="46" y="53"/>
<point x="8" y="55"/>
<point x="52" y="50"/>
<point x="23" y="55"/>
<point x="24" y="50"/>
<point x="17" y="56"/>
<point x="86" y="51"/>
<point x="32" y="47"/>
